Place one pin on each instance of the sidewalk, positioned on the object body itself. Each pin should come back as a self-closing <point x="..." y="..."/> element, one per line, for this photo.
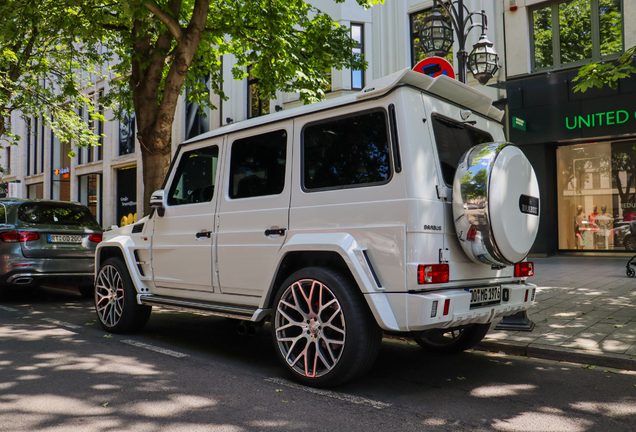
<point x="585" y="312"/>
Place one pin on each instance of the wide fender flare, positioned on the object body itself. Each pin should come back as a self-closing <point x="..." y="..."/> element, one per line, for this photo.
<point x="342" y="243"/>
<point x="126" y="245"/>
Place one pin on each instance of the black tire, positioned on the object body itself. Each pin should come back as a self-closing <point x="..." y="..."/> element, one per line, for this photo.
<point x="87" y="291"/>
<point x="116" y="299"/>
<point x="629" y="242"/>
<point x="452" y="341"/>
<point x="631" y="272"/>
<point x="327" y="336"/>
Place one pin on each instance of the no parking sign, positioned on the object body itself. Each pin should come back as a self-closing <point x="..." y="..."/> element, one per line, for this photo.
<point x="434" y="67"/>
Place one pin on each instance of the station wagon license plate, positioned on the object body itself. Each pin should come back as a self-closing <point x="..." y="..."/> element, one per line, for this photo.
<point x="61" y="238"/>
<point x="485" y="296"/>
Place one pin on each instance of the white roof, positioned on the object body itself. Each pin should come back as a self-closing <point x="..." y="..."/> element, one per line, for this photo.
<point x="442" y="86"/>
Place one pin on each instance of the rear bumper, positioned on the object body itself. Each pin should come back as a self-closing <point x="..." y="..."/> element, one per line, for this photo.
<point x="32" y="272"/>
<point x="408" y="312"/>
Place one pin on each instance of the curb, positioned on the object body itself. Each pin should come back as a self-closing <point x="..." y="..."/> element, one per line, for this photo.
<point x="571" y="355"/>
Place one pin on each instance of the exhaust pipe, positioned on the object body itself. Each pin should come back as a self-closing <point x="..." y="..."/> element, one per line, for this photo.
<point x="254" y="328"/>
<point x="23" y="281"/>
<point x="241" y="328"/>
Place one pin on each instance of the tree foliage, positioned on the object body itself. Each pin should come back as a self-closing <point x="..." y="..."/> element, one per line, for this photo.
<point x="165" y="46"/>
<point x="599" y="74"/>
<point x="43" y="71"/>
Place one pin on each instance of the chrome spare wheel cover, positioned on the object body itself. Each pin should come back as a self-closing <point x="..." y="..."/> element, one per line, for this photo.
<point x="109" y="292"/>
<point x="496" y="204"/>
<point x="310" y="328"/>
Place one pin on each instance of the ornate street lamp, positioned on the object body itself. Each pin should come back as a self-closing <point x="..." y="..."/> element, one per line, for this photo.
<point x="436" y="37"/>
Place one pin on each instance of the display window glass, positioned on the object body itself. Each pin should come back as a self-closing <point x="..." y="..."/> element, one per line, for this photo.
<point x="597" y="196"/>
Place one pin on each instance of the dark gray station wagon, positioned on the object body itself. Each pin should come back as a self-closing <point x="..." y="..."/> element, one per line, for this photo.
<point x="47" y="242"/>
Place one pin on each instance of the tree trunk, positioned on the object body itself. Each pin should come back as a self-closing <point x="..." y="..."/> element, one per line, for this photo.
<point x="154" y="167"/>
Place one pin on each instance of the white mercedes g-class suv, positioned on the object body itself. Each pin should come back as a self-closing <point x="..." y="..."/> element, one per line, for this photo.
<point x="399" y="209"/>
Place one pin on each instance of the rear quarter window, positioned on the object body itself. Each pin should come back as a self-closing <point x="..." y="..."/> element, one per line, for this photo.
<point x="56" y="214"/>
<point x="351" y="151"/>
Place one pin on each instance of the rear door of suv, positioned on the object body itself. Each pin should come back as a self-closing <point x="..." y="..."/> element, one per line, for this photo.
<point x="254" y="207"/>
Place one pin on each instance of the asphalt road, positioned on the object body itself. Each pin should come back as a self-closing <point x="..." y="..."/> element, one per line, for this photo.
<point x="183" y="372"/>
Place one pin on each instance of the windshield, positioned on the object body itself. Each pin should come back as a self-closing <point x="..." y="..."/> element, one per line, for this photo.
<point x="453" y="140"/>
<point x="57" y="214"/>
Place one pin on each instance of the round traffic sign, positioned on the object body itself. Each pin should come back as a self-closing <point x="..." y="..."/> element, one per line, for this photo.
<point x="434" y="67"/>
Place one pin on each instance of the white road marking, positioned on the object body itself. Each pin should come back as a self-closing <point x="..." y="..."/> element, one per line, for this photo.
<point x="154" y="348"/>
<point x="8" y="308"/>
<point x="61" y="323"/>
<point x="340" y="396"/>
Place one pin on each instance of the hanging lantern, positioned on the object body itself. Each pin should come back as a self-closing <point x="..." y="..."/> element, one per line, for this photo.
<point x="436" y="36"/>
<point x="483" y="61"/>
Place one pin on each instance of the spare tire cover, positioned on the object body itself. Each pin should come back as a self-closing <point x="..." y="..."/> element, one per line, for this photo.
<point x="496" y="204"/>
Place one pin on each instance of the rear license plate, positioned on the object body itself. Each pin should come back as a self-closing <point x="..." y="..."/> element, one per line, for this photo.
<point x="61" y="238"/>
<point x="485" y="296"/>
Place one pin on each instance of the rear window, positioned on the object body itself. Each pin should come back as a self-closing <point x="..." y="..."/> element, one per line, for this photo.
<point x="453" y="139"/>
<point x="56" y="214"/>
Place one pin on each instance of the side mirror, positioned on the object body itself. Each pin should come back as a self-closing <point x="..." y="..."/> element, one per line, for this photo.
<point x="112" y="227"/>
<point x="156" y="202"/>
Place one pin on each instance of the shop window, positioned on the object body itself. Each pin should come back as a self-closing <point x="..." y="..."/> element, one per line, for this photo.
<point x="357" y="76"/>
<point x="257" y="105"/>
<point x="35" y="191"/>
<point x="597" y="196"/>
<point x="417" y="22"/>
<point x="257" y="165"/>
<point x="90" y="194"/>
<point x="575" y="32"/>
<point x="127" y="195"/>
<point x="346" y="152"/>
<point x="61" y="172"/>
<point x="197" y="117"/>
<point x="195" y="177"/>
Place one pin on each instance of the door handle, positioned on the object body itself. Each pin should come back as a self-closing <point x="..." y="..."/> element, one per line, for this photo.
<point x="202" y="234"/>
<point x="275" y="231"/>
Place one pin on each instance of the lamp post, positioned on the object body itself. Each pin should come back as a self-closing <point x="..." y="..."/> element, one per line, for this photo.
<point x="436" y="37"/>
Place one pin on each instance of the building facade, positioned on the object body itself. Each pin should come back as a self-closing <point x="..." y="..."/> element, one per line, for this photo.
<point x="107" y="178"/>
<point x="582" y="145"/>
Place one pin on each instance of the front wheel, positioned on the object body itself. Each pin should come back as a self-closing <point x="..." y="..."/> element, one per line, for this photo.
<point x="322" y="328"/>
<point x="115" y="299"/>
<point x="452" y="341"/>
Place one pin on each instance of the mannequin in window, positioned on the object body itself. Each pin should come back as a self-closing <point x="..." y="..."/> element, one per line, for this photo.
<point x="594" y="214"/>
<point x="605" y="221"/>
<point x="578" y="224"/>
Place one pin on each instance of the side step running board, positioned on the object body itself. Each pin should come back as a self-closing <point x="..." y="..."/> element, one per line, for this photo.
<point x="218" y="309"/>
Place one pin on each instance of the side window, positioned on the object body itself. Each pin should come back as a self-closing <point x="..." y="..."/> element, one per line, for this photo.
<point x="3" y="214"/>
<point x="453" y="139"/>
<point x="257" y="165"/>
<point x="194" y="179"/>
<point x="349" y="151"/>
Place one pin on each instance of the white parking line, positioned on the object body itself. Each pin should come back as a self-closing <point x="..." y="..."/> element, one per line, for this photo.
<point x="154" y="348"/>
<point x="340" y="396"/>
<point x="61" y="323"/>
<point x="8" y="308"/>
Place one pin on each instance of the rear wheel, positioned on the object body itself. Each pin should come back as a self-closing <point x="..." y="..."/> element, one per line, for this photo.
<point x="631" y="272"/>
<point x="322" y="328"/>
<point x="452" y="341"/>
<point x="115" y="299"/>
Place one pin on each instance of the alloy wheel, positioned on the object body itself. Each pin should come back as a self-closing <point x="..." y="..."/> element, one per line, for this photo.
<point x="109" y="292"/>
<point x="310" y="328"/>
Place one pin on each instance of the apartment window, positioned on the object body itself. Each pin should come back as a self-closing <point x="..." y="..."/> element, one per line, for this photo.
<point x="417" y="22"/>
<point x="8" y="166"/>
<point x="100" y="127"/>
<point x="41" y="149"/>
<point x="357" y="76"/>
<point x="575" y="32"/>
<point x="257" y="105"/>
<point x="28" y="144"/>
<point x="127" y="134"/>
<point x="197" y="116"/>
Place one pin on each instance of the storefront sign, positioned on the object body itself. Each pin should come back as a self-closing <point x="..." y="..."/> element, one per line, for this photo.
<point x="518" y="123"/>
<point x="599" y="119"/>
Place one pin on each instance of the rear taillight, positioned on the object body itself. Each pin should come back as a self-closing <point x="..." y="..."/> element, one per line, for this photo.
<point x="21" y="236"/>
<point x="524" y="269"/>
<point x="95" y="238"/>
<point x="432" y="273"/>
<point x="472" y="233"/>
